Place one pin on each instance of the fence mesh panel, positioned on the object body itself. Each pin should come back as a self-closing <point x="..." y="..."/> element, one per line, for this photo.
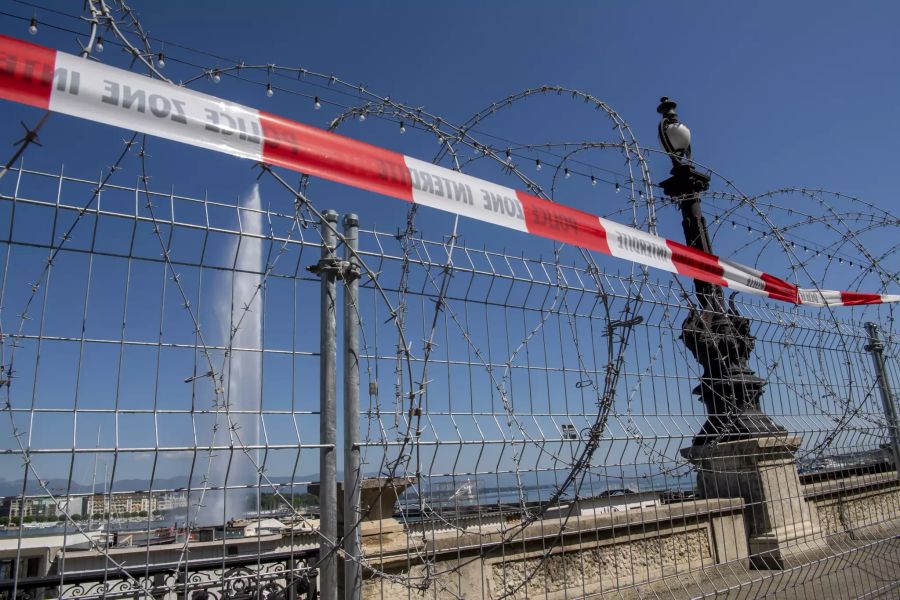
<point x="522" y="419"/>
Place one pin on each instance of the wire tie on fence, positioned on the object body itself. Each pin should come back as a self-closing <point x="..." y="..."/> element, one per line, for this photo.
<point x="207" y="374"/>
<point x="373" y="276"/>
<point x="626" y="322"/>
<point x="30" y="137"/>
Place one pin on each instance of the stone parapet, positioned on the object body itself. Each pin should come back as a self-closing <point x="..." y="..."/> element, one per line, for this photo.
<point x="770" y="521"/>
<point x="568" y="555"/>
<point x="863" y="506"/>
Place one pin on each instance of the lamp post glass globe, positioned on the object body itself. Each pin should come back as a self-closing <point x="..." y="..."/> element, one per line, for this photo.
<point x="678" y="136"/>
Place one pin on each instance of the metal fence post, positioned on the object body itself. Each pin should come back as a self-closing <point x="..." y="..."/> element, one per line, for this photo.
<point x="352" y="566"/>
<point x="327" y="269"/>
<point x="876" y="347"/>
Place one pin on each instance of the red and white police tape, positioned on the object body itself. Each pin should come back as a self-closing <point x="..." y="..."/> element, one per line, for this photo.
<point x="67" y="84"/>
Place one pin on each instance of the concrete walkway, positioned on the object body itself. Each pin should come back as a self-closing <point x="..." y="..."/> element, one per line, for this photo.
<point x="860" y="569"/>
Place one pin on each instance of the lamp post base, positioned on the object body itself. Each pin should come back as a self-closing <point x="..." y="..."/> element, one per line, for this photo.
<point x="730" y="427"/>
<point x="720" y="340"/>
<point x="783" y="528"/>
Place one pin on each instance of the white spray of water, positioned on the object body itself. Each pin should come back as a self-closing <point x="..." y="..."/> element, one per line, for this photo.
<point x="238" y="310"/>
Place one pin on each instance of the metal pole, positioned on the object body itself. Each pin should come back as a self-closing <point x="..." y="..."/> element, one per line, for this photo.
<point x="352" y="566"/>
<point x="876" y="347"/>
<point x="717" y="336"/>
<point x="327" y="270"/>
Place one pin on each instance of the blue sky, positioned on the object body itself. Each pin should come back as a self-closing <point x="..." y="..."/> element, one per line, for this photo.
<point x="776" y="94"/>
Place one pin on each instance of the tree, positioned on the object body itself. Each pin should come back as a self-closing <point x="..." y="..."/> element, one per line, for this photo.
<point x="28" y="519"/>
<point x="96" y="516"/>
<point x="157" y="512"/>
<point x="76" y="517"/>
<point x="143" y="513"/>
<point x="4" y="521"/>
<point x="39" y="518"/>
<point x="306" y="500"/>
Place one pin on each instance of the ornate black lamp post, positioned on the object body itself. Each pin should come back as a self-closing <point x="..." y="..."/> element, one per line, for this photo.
<point x="717" y="336"/>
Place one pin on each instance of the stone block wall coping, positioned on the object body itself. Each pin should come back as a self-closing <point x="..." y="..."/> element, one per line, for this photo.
<point x="625" y="523"/>
<point x="852" y="483"/>
<point x="770" y="446"/>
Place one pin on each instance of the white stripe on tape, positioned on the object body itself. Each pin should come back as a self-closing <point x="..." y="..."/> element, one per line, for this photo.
<point x="742" y="278"/>
<point x="108" y="95"/>
<point x="113" y="96"/>
<point x="819" y="297"/>
<point x="638" y="246"/>
<point x="465" y="195"/>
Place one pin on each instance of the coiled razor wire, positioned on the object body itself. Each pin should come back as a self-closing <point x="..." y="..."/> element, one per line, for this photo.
<point x="848" y="226"/>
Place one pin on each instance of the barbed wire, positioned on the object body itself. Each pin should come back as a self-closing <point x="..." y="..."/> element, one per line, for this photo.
<point x="122" y="23"/>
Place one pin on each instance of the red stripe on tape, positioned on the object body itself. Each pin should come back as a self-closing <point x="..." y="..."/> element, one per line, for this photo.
<point x="854" y="298"/>
<point x="27" y="76"/>
<point x="563" y="224"/>
<point x="780" y="289"/>
<point x="26" y="72"/>
<point x="696" y="263"/>
<point x="324" y="154"/>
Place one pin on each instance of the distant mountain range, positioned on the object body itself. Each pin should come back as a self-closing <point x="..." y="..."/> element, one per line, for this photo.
<point x="504" y="481"/>
<point x="59" y="486"/>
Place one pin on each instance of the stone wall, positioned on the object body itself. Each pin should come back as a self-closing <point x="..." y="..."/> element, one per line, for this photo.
<point x="584" y="549"/>
<point x="587" y="554"/>
<point x="867" y="505"/>
<point x="559" y="557"/>
<point x="603" y="566"/>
